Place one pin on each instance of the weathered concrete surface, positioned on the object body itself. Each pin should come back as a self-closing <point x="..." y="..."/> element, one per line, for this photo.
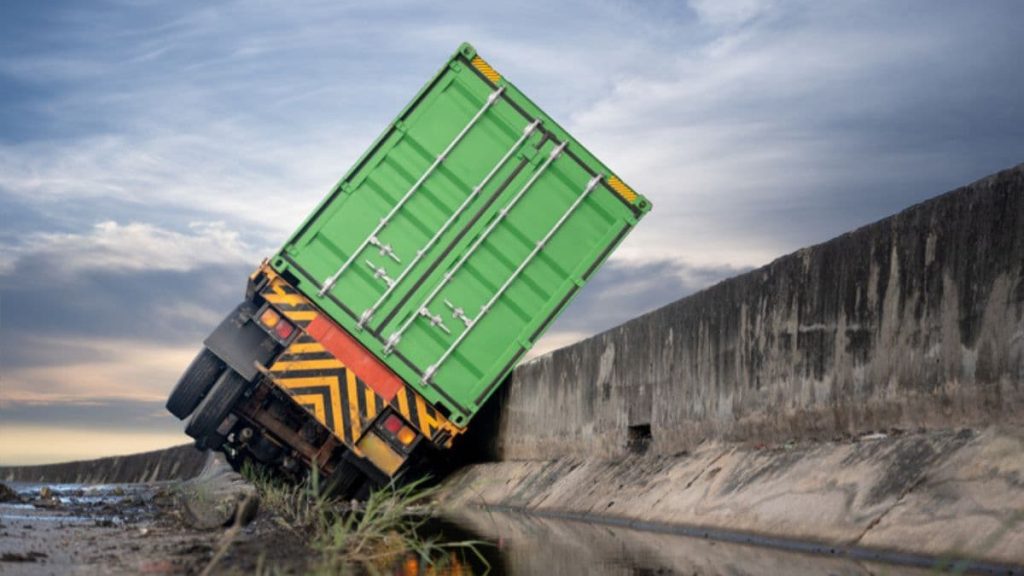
<point x="937" y="493"/>
<point x="217" y="497"/>
<point x="177" y="463"/>
<point x="914" y="321"/>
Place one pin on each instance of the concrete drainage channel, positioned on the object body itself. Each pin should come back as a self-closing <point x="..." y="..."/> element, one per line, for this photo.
<point x="948" y="499"/>
<point x="858" y="553"/>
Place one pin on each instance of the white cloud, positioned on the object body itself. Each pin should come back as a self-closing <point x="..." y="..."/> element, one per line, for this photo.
<point x="741" y="138"/>
<point x="737" y="123"/>
<point x="729" y="13"/>
<point x="260" y="184"/>
<point x="134" y="247"/>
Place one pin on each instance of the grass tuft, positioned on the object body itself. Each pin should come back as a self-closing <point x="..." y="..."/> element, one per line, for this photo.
<point x="375" y="535"/>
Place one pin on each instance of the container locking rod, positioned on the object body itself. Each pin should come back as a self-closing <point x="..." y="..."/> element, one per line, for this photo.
<point x="451" y="220"/>
<point x="333" y="279"/>
<point x="522" y="265"/>
<point x="557" y="151"/>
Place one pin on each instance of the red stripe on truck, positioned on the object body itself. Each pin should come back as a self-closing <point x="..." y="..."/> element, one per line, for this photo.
<point x="355" y="357"/>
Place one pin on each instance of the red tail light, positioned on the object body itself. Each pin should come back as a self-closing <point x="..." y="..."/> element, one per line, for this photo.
<point x="393" y="424"/>
<point x="398" y="431"/>
<point x="284" y="329"/>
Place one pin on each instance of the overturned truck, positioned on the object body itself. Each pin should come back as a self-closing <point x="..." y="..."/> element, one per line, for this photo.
<point x="380" y="328"/>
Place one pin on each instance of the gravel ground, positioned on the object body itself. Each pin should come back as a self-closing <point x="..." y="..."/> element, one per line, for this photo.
<point x="128" y="529"/>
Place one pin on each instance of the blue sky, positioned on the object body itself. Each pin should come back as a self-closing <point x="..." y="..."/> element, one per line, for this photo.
<point x="152" y="153"/>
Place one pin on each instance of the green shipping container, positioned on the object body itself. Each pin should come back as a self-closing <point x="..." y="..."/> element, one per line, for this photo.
<point x="459" y="236"/>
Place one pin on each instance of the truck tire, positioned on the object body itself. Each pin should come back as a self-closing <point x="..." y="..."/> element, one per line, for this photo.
<point x="194" y="384"/>
<point x="225" y="393"/>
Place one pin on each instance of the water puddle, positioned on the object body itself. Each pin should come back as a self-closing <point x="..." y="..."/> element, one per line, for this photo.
<point x="104" y="504"/>
<point x="519" y="544"/>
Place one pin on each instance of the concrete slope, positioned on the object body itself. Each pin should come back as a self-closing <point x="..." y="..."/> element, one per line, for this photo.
<point x="938" y="494"/>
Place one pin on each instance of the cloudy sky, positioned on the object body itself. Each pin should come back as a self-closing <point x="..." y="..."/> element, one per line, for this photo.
<point x="151" y="153"/>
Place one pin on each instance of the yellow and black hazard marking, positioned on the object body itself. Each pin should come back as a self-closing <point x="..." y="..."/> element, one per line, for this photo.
<point x="290" y="302"/>
<point x="321" y="383"/>
<point x="486" y="69"/>
<point x="418" y="412"/>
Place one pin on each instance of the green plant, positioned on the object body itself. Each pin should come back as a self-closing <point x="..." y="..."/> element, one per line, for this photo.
<point x="293" y="506"/>
<point x="374" y="535"/>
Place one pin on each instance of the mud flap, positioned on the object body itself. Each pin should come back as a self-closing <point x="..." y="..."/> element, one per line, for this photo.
<point x="241" y="343"/>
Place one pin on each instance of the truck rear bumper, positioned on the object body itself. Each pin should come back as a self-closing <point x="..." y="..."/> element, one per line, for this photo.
<point x="315" y="396"/>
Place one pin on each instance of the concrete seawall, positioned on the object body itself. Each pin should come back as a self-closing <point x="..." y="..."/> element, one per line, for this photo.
<point x="177" y="463"/>
<point x="914" y="321"/>
<point x="866" y="393"/>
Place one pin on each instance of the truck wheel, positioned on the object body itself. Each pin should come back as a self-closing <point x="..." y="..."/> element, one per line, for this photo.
<point x="215" y="408"/>
<point x="194" y="384"/>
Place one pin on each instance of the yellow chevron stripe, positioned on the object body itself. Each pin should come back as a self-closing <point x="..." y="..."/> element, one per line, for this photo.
<point x="289" y="299"/>
<point x="339" y="423"/>
<point x="485" y="69"/>
<point x="311" y="382"/>
<point x="371" y="404"/>
<point x="305" y="348"/>
<point x="289" y="365"/>
<point x="277" y="287"/>
<point x="621" y="189"/>
<point x="299" y="315"/>
<point x="427" y="422"/>
<point x="317" y="401"/>
<point x="353" y="405"/>
<point x="403" y="404"/>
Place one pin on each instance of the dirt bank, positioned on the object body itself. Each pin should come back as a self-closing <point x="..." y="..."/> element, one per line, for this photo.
<point x="947" y="493"/>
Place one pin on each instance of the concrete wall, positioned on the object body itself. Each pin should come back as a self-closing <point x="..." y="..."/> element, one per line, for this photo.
<point x="914" y="321"/>
<point x="177" y="463"/>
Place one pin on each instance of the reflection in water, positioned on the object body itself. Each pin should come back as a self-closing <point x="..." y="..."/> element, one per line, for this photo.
<point x="526" y="545"/>
<point x="455" y="563"/>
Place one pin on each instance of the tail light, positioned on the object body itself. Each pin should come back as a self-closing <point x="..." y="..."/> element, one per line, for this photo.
<point x="393" y="424"/>
<point x="284" y="329"/>
<point x="394" y="429"/>
<point x="270" y="318"/>
<point x="275" y="324"/>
